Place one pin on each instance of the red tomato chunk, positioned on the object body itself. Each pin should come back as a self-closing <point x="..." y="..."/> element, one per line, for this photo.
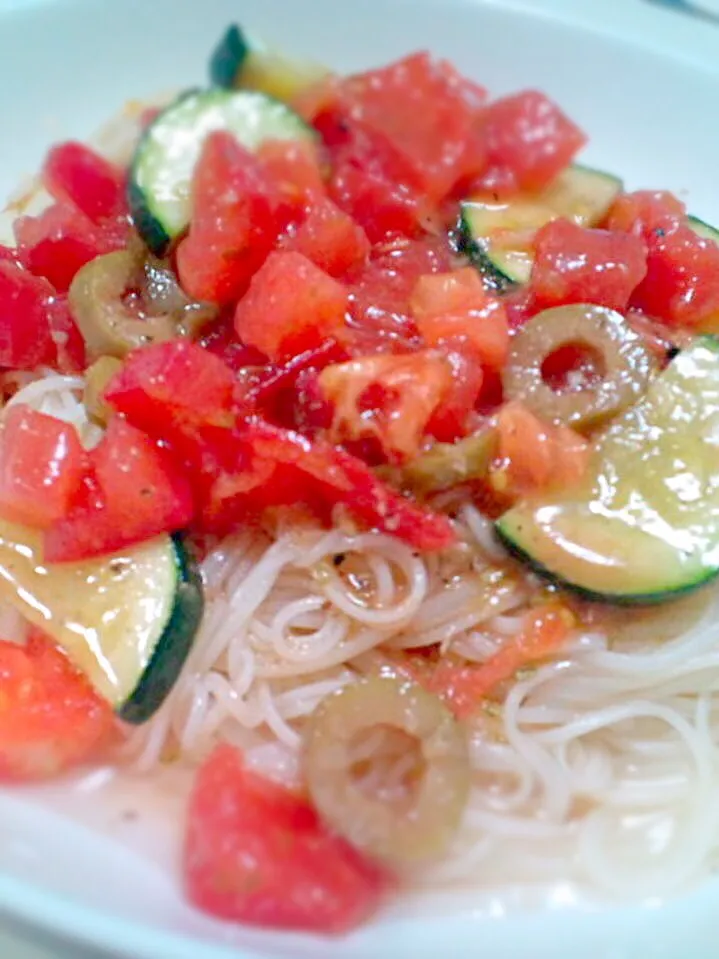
<point x="25" y="304"/>
<point x="456" y="306"/>
<point x="51" y="719"/>
<point x="257" y="853"/>
<point x="576" y="265"/>
<point x="61" y="240"/>
<point x="42" y="466"/>
<point x="291" y="306"/>
<point x="681" y="286"/>
<point x="529" y="141"/>
<point x="134" y="492"/>
<point x="73" y="173"/>
<point x="233" y="225"/>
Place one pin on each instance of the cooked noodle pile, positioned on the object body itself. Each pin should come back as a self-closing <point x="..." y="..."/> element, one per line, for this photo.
<point x="599" y="767"/>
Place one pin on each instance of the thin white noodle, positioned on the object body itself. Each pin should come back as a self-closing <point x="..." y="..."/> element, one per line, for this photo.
<point x="599" y="770"/>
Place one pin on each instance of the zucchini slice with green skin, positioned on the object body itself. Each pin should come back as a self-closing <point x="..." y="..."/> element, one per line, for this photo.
<point x="241" y="62"/>
<point x="497" y="234"/>
<point x="704" y="230"/>
<point x="644" y="527"/>
<point x="165" y="158"/>
<point x="127" y="621"/>
<point x="228" y="58"/>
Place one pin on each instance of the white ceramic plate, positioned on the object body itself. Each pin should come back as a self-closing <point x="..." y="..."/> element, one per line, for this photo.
<point x="644" y="82"/>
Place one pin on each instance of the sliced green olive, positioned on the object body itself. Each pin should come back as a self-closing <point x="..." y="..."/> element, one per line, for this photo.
<point x="397" y="832"/>
<point x="449" y="464"/>
<point x="97" y="376"/>
<point x="97" y="305"/>
<point x="625" y="365"/>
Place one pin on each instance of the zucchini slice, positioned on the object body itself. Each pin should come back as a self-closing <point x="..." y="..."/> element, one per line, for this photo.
<point x="704" y="230"/>
<point x="127" y="621"/>
<point x="497" y="234"/>
<point x="644" y="527"/>
<point x="165" y="157"/>
<point x="240" y="62"/>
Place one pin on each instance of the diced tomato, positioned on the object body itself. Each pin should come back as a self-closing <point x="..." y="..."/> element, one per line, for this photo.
<point x="576" y="265"/>
<point x="534" y="455"/>
<point x="544" y="632"/>
<point x="73" y="173"/>
<point x="646" y="213"/>
<point x="292" y="167"/>
<point x="135" y="492"/>
<point x="426" y="110"/>
<point x="455" y="415"/>
<point x="257" y="853"/>
<point x="42" y="466"/>
<point x="456" y="305"/>
<point x="291" y="306"/>
<point x="529" y="139"/>
<point x="173" y="382"/>
<point x="681" y="286"/>
<point x="330" y="238"/>
<point x="61" y="240"/>
<point x="67" y="338"/>
<point x="375" y="185"/>
<point x="51" y="719"/>
<point x="25" y="337"/>
<point x="380" y="296"/>
<point x="411" y="387"/>
<point x="233" y="225"/>
<point x="8" y="254"/>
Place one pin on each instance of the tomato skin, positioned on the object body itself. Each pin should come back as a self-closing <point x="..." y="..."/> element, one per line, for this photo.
<point x="73" y="173"/>
<point x="51" y="720"/>
<point x="42" y="466"/>
<point x="135" y="491"/>
<point x="529" y="141"/>
<point x="233" y="225"/>
<point x="455" y="305"/>
<point x="60" y="240"/>
<point x="544" y="632"/>
<point x="342" y="478"/>
<point x="291" y="306"/>
<point x="577" y="265"/>
<point x="330" y="238"/>
<point x="257" y="853"/>
<point x="25" y="340"/>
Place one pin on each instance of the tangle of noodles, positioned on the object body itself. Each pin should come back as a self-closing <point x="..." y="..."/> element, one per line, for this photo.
<point x="600" y="768"/>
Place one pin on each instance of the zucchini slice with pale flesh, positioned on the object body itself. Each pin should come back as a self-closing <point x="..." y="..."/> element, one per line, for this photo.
<point x="644" y="527"/>
<point x="704" y="230"/>
<point x="240" y="62"/>
<point x="165" y="158"/>
<point x="497" y="234"/>
<point x="127" y="620"/>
